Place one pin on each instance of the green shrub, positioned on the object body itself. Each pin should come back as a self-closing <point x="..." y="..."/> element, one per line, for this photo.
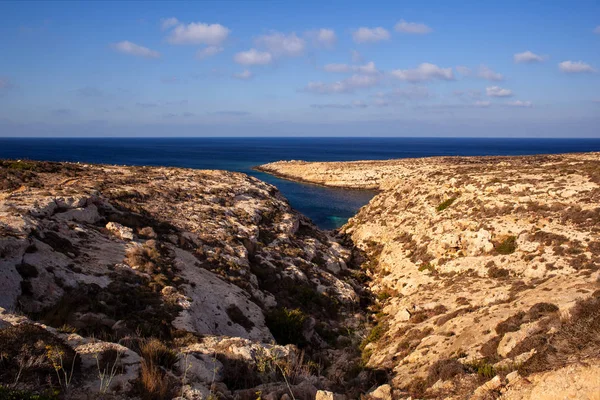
<point x="444" y="370"/>
<point x="507" y="246"/>
<point x="13" y="394"/>
<point x="375" y="334"/>
<point x="426" y="267"/>
<point x="287" y="325"/>
<point x="446" y="204"/>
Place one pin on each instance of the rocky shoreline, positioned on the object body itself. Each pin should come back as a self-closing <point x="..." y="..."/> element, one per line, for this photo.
<point x="465" y="277"/>
<point x="485" y="270"/>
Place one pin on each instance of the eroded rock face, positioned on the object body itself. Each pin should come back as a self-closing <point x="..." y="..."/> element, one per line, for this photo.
<point x="474" y="260"/>
<point x="133" y="252"/>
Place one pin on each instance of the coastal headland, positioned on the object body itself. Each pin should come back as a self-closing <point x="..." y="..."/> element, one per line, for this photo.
<point x="465" y="277"/>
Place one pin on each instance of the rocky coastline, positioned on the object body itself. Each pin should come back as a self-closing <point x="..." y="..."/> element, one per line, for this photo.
<point x="465" y="277"/>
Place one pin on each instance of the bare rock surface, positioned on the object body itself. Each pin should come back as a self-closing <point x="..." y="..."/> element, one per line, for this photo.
<point x="215" y="266"/>
<point x="482" y="266"/>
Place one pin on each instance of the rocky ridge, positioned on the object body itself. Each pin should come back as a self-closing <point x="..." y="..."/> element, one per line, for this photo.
<point x="137" y="282"/>
<point x="485" y="270"/>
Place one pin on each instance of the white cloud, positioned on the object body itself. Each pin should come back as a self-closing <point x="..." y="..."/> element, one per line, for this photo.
<point x="519" y="103"/>
<point x="345" y="86"/>
<point x="356" y="57"/>
<point x="466" y="71"/>
<point x="496" y="91"/>
<point x="280" y="44"/>
<point x="597" y="30"/>
<point x="208" y="51"/>
<point x="575" y="67"/>
<point x="368" y="35"/>
<point x="482" y="103"/>
<point x="127" y="47"/>
<point x="486" y="73"/>
<point x="322" y="37"/>
<point x="167" y="23"/>
<point x="198" y="33"/>
<point x="424" y="72"/>
<point x="412" y="27"/>
<point x="368" y="68"/>
<point x="527" y="57"/>
<point x="244" y="75"/>
<point x="253" y="57"/>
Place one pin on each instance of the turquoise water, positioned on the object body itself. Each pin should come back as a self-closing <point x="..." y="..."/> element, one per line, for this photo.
<point x="329" y="208"/>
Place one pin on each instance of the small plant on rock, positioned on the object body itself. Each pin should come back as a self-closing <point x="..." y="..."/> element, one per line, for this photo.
<point x="507" y="246"/>
<point x="445" y="204"/>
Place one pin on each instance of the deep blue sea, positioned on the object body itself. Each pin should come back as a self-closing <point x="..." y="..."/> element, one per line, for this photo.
<point x="329" y="208"/>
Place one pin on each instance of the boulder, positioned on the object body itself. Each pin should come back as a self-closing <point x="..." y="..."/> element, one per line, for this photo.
<point x="120" y="231"/>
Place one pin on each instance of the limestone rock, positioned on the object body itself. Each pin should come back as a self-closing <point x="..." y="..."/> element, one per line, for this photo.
<point x="120" y="231"/>
<point x="383" y="392"/>
<point x="326" y="395"/>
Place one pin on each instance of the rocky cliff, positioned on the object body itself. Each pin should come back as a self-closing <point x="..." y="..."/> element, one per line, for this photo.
<point x="161" y="282"/>
<point x="485" y="270"/>
<point x="463" y="278"/>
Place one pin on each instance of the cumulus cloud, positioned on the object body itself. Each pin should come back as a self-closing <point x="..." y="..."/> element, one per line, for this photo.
<point x="208" y="51"/>
<point x="253" y="57"/>
<point x="487" y="73"/>
<point x="465" y="71"/>
<point x="348" y="85"/>
<point x="370" y="35"/>
<point x="244" y="75"/>
<point x="127" y="47"/>
<point x="527" y="57"/>
<point x="497" y="91"/>
<point x="280" y="44"/>
<point x="198" y="33"/>
<point x="575" y="67"/>
<point x="424" y="72"/>
<point x="412" y="27"/>
<point x="519" y="103"/>
<point x="322" y="37"/>
<point x="167" y="23"/>
<point x="368" y="68"/>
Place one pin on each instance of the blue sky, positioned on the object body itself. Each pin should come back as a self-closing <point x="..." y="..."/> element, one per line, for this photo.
<point x="258" y="68"/>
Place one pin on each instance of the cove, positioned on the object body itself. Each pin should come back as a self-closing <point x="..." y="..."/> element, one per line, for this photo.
<point x="329" y="208"/>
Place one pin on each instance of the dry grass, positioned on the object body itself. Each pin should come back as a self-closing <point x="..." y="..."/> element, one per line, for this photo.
<point x="154" y="383"/>
<point x="156" y="352"/>
<point x="577" y="338"/>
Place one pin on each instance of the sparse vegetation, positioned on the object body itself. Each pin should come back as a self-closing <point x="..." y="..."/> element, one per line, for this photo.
<point x="287" y="326"/>
<point x="445" y="204"/>
<point x="507" y="246"/>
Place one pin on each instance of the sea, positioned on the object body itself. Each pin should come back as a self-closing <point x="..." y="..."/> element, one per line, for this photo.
<point x="329" y="208"/>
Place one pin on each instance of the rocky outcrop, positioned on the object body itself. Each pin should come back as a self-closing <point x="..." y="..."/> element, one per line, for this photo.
<point x="482" y="266"/>
<point x="103" y="257"/>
